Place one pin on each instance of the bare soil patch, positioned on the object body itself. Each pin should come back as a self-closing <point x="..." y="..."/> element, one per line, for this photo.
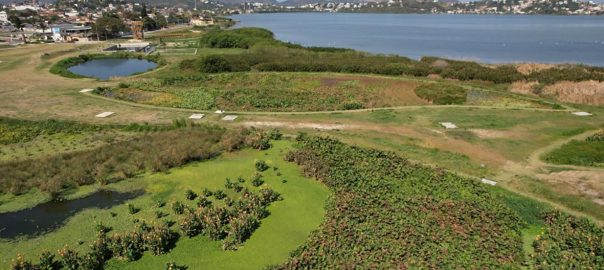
<point x="584" y="183"/>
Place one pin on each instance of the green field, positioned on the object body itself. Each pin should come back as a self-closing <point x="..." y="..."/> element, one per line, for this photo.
<point x="289" y="223"/>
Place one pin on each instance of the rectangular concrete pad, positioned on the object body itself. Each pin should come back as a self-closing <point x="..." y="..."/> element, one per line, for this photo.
<point x="582" y="113"/>
<point x="229" y="118"/>
<point x="448" y="125"/>
<point x="104" y="114"/>
<point x="196" y="116"/>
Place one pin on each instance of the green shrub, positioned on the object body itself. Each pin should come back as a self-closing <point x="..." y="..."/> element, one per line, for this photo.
<point x="569" y="243"/>
<point x="261" y="165"/>
<point x="178" y="207"/>
<point x="190" y="195"/>
<point x="214" y="64"/>
<point x="442" y="94"/>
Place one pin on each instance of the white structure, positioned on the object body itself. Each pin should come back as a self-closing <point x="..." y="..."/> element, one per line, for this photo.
<point x="104" y="114"/>
<point x="3" y="17"/>
<point x="202" y="21"/>
<point x="448" y="125"/>
<point x="229" y="118"/>
<point x="87" y="90"/>
<point x="196" y="116"/>
<point x="219" y="112"/>
<point x="582" y="113"/>
<point x="488" y="182"/>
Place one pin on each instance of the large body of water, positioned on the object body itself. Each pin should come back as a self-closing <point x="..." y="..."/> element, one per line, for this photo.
<point x="112" y="67"/>
<point x="483" y="38"/>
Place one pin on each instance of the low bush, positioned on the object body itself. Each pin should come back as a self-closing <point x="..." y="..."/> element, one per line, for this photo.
<point x="261" y="165"/>
<point x="569" y="243"/>
<point x="442" y="94"/>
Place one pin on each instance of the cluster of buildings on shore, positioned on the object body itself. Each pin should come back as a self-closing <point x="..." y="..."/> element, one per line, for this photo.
<point x="75" y="22"/>
<point x="561" y="7"/>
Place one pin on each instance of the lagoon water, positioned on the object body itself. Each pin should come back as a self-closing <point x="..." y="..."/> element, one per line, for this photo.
<point x="112" y="67"/>
<point x="483" y="38"/>
<point x="51" y="215"/>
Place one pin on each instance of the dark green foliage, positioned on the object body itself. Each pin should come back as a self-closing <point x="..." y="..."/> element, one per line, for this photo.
<point x="190" y="195"/>
<point x="219" y="194"/>
<point x="582" y="153"/>
<point x="20" y="263"/>
<point x="243" y="38"/>
<point x="257" y="180"/>
<point x="261" y="166"/>
<point x="466" y="71"/>
<point x="100" y="228"/>
<point x="207" y="192"/>
<point x="174" y="266"/>
<point x="69" y="258"/>
<point x="574" y="73"/>
<point x="388" y="213"/>
<point x="133" y="209"/>
<point x="214" y="64"/>
<point x="204" y="202"/>
<point x="48" y="261"/>
<point x="178" y="207"/>
<point x="127" y="247"/>
<point x="240" y="229"/>
<point x="159" y="239"/>
<point x="274" y="134"/>
<point x="569" y="243"/>
<point x="442" y="94"/>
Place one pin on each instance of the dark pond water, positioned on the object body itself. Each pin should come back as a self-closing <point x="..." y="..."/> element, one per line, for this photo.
<point x="484" y="38"/>
<point x="49" y="216"/>
<point x="112" y="67"/>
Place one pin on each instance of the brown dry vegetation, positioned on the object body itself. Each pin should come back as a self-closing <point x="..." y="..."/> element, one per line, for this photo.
<point x="528" y="68"/>
<point x="586" y="92"/>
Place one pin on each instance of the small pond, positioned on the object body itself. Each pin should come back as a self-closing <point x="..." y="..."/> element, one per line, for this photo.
<point x="50" y="216"/>
<point x="112" y="67"/>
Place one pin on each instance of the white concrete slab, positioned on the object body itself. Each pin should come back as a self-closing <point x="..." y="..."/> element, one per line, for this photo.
<point x="196" y="116"/>
<point x="219" y="112"/>
<point x="229" y="118"/>
<point x="87" y="90"/>
<point x="488" y="182"/>
<point x="104" y="114"/>
<point x="582" y="113"/>
<point x="448" y="125"/>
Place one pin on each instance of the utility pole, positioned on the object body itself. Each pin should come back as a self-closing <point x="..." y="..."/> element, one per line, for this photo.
<point x="195" y="8"/>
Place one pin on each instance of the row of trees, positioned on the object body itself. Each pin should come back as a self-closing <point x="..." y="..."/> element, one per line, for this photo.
<point x="158" y="239"/>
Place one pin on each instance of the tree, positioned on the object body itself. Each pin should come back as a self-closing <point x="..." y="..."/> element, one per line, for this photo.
<point x="109" y="26"/>
<point x="144" y="11"/>
<point x="160" y="20"/>
<point x="16" y="21"/>
<point x="149" y="24"/>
